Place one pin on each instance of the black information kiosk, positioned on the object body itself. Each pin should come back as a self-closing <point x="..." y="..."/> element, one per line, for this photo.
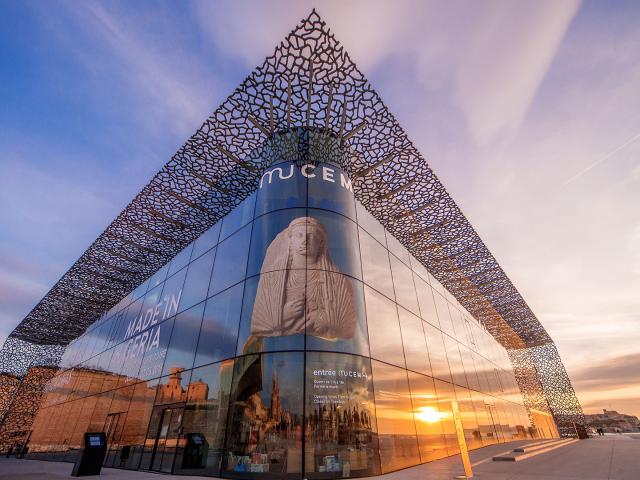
<point x="90" y="458"/>
<point x="195" y="452"/>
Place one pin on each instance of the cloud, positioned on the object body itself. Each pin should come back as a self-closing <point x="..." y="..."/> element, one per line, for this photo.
<point x="166" y="84"/>
<point x="493" y="55"/>
<point x="621" y="371"/>
<point x="54" y="216"/>
<point x="57" y="205"/>
<point x="634" y="247"/>
<point x="602" y="159"/>
<point x="611" y="383"/>
<point x="507" y="58"/>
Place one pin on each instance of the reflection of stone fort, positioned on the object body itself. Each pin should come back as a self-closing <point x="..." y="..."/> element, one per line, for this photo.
<point x="134" y="401"/>
<point x="334" y="424"/>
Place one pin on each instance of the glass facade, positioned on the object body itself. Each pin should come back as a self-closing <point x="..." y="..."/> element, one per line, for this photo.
<point x="296" y="338"/>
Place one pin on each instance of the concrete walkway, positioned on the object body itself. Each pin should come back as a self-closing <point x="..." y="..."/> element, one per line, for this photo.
<point x="613" y="457"/>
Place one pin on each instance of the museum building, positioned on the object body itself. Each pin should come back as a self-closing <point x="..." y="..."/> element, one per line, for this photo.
<point x="280" y="323"/>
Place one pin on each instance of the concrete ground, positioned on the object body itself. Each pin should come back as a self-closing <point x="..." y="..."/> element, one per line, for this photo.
<point x="613" y="457"/>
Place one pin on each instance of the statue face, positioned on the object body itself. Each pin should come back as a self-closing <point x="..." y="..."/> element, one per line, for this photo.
<point x="306" y="240"/>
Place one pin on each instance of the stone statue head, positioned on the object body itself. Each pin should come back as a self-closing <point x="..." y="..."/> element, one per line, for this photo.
<point x="289" y="300"/>
<point x="307" y="237"/>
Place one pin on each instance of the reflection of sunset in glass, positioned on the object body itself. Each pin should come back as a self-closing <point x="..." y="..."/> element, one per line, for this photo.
<point x="429" y="414"/>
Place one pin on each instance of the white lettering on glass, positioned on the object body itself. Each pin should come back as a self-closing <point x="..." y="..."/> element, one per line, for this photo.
<point x="346" y="182"/>
<point x="150" y="316"/>
<point x="305" y="170"/>
<point x="327" y="174"/>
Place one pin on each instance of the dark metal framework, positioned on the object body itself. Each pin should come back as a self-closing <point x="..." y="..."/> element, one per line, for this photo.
<point x="310" y="82"/>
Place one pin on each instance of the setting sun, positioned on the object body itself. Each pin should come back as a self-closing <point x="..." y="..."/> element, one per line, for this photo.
<point x="429" y="414"/>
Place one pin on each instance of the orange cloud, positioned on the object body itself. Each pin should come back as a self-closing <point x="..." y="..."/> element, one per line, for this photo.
<point x="612" y="383"/>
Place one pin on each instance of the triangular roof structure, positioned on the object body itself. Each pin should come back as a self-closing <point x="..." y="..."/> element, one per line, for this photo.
<point x="309" y="81"/>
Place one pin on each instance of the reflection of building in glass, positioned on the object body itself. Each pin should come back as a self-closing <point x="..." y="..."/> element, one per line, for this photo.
<point x="293" y="296"/>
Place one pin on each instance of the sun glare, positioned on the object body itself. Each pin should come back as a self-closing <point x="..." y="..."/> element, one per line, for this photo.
<point x="428" y="414"/>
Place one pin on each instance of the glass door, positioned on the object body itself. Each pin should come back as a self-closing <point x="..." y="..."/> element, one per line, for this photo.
<point x="163" y="438"/>
<point x="493" y="418"/>
<point x="111" y="424"/>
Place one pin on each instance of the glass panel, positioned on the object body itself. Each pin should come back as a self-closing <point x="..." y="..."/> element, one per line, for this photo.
<point x="83" y="417"/>
<point x="140" y="290"/>
<point x="155" y="436"/>
<point x="403" y="285"/>
<point x="147" y="336"/>
<point x="415" y="344"/>
<point x="455" y="362"/>
<point x="419" y="268"/>
<point x="180" y="260"/>
<point x="505" y="419"/>
<point x="110" y="381"/>
<point x="261" y="328"/>
<point x="281" y="186"/>
<point x="238" y="217"/>
<point x="446" y="395"/>
<point x="173" y="388"/>
<point x="336" y="243"/>
<point x="469" y="331"/>
<point x="428" y="418"/>
<point x="384" y="329"/>
<point x="171" y="294"/>
<point x="118" y="333"/>
<point x="171" y="441"/>
<point x="330" y="189"/>
<point x="469" y="367"/>
<point x="458" y="325"/>
<point x="205" y="420"/>
<point x="196" y="283"/>
<point x="398" y="249"/>
<point x="265" y="416"/>
<point x="131" y="318"/>
<point x="437" y="286"/>
<point x="132" y="359"/>
<point x="159" y="277"/>
<point x="394" y="413"/>
<point x="376" y="270"/>
<point x="155" y="350"/>
<point x="336" y="318"/>
<point x="488" y="434"/>
<point x="219" y="332"/>
<point x="76" y="425"/>
<point x="117" y="359"/>
<point x="231" y="261"/>
<point x="469" y="422"/>
<point x="151" y="313"/>
<point x="135" y="425"/>
<point x="341" y="438"/>
<point x="481" y="369"/>
<point x="206" y="241"/>
<point x="443" y="314"/>
<point x="114" y="424"/>
<point x="184" y="338"/>
<point x="372" y="226"/>
<point x="437" y="355"/>
<point x="270" y="241"/>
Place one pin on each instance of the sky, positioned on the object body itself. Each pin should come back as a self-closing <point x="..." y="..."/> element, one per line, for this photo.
<point x="528" y="112"/>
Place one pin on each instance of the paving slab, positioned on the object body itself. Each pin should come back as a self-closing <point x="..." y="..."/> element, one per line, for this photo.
<point x="612" y="457"/>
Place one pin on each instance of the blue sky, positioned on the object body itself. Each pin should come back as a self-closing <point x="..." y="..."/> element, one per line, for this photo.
<point x="529" y="112"/>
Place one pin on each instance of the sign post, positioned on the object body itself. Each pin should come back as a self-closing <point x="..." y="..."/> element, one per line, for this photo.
<point x="462" y="442"/>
